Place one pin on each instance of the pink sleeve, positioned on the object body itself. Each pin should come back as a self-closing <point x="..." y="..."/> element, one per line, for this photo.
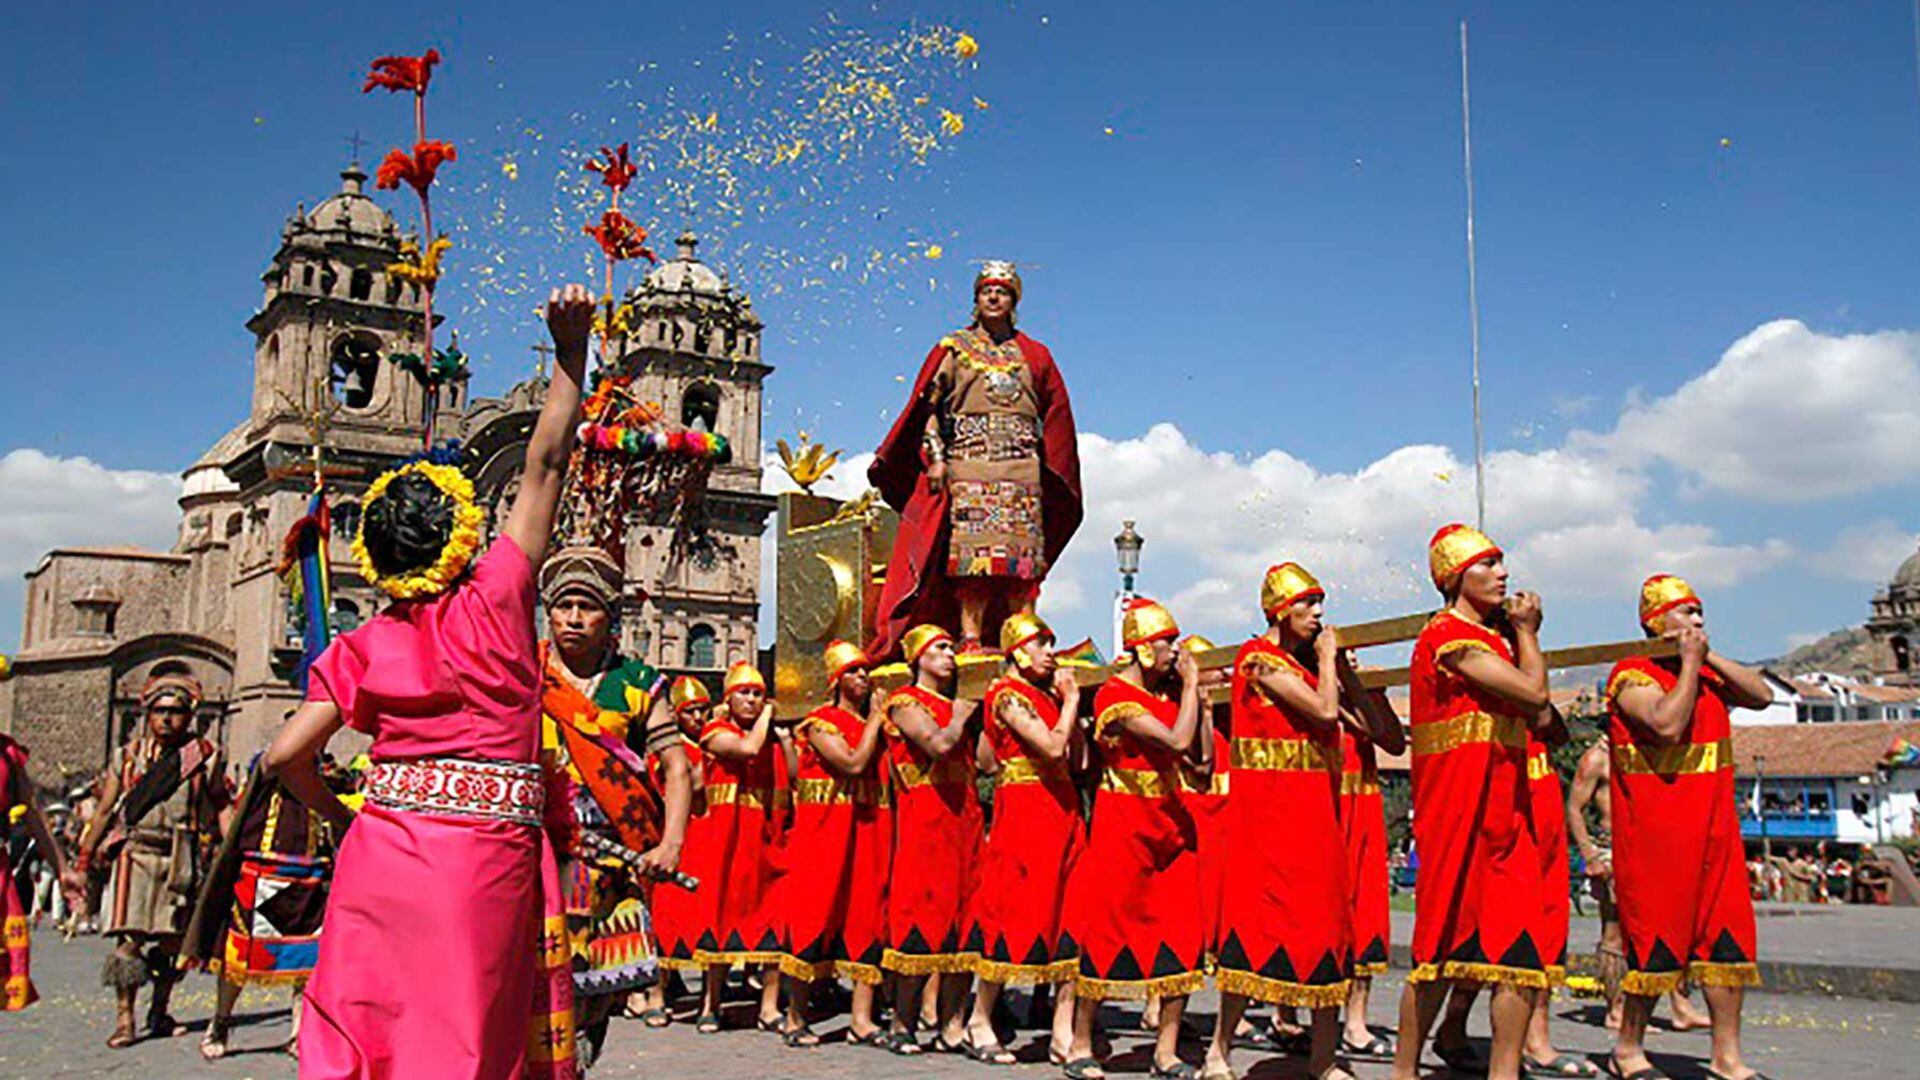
<point x="489" y="617"/>
<point x="335" y="677"/>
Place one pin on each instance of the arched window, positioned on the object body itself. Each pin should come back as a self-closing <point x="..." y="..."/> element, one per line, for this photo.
<point x="360" y="285"/>
<point x="354" y="364"/>
<point x="700" y="646"/>
<point x="346" y="615"/>
<point x="700" y="407"/>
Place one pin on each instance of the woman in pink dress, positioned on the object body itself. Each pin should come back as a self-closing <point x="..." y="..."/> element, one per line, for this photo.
<point x="433" y="963"/>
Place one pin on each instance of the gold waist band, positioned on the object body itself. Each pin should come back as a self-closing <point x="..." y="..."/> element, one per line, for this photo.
<point x="1281" y="755"/>
<point x="1682" y="760"/>
<point x="1469" y="729"/>
<point x="735" y="795"/>
<point x="948" y="770"/>
<point x="813" y="791"/>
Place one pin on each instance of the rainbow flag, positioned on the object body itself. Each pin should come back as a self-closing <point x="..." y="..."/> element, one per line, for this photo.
<point x="303" y="563"/>
<point x="1086" y="652"/>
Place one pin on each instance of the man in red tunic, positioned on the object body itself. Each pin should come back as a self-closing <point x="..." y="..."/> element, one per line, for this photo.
<point x="984" y="469"/>
<point x="825" y="901"/>
<point x="1476" y="696"/>
<point x="1037" y="834"/>
<point x="937" y="832"/>
<point x="1679" y="872"/>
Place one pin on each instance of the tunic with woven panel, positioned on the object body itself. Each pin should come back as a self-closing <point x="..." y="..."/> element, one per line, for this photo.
<point x="984" y="393"/>
<point x="832" y="878"/>
<point x="1679" y="865"/>
<point x="161" y="860"/>
<point x="1549" y="817"/>
<point x="729" y="848"/>
<point x="1478" y="902"/>
<point x="1286" y="932"/>
<point x="1132" y="913"/>
<point x="1363" y="820"/>
<point x="1037" y="836"/>
<point x="938" y="827"/>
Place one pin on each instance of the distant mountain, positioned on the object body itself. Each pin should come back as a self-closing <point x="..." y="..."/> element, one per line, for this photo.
<point x="1843" y="652"/>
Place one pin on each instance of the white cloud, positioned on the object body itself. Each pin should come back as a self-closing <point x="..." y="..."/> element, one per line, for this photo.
<point x="69" y="501"/>
<point x="1788" y="414"/>
<point x="1610" y="559"/>
<point x="1866" y="553"/>
<point x="74" y="501"/>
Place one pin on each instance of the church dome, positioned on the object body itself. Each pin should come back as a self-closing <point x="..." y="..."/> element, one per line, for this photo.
<point x="1907" y="578"/>
<point x="351" y="210"/>
<point x="685" y="273"/>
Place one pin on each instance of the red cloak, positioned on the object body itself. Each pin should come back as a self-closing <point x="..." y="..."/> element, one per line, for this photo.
<point x="916" y="591"/>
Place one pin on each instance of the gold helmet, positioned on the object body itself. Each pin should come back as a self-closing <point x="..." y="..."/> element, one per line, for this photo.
<point x="919" y="639"/>
<point x="1662" y="593"/>
<point x="1286" y="585"/>
<point x="742" y="674"/>
<point x="1146" y="621"/>
<point x="1453" y="549"/>
<point x="841" y="657"/>
<point x="1020" y="628"/>
<point x="688" y="691"/>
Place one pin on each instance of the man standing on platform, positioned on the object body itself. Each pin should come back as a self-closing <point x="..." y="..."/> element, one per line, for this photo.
<point x="984" y="469"/>
<point x="1679" y="868"/>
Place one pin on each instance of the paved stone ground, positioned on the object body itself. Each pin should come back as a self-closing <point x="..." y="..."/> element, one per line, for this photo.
<point x="1788" y="1035"/>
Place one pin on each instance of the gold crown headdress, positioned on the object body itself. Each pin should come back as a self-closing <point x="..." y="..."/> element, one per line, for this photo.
<point x="998" y="272"/>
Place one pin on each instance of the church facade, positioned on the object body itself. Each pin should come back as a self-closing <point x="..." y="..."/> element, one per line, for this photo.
<point x="99" y="621"/>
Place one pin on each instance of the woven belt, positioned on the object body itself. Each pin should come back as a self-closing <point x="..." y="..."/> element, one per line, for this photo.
<point x="833" y="791"/>
<point x="495" y="790"/>
<point x="759" y="798"/>
<point x="1467" y="729"/>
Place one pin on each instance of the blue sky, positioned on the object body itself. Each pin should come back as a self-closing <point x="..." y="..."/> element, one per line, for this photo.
<point x="1243" y="221"/>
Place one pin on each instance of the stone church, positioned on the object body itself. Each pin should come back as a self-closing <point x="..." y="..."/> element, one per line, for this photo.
<point x="99" y="621"/>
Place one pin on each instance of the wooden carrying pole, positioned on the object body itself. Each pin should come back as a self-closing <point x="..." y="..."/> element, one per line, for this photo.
<point x="976" y="676"/>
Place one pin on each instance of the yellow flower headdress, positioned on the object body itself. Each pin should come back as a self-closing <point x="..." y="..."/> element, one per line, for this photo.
<point x="462" y="543"/>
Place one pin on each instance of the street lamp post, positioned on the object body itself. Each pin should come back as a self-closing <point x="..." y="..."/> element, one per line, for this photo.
<point x="1126" y="548"/>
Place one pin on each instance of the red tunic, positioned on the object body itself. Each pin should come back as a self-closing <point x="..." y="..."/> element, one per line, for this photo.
<point x="824" y="850"/>
<point x="730" y="849"/>
<point x="937" y="830"/>
<point x="1285" y="923"/>
<point x="1207" y="801"/>
<point x="1130" y="913"/>
<point x="1037" y="835"/>
<point x="1478" y="894"/>
<point x="673" y="908"/>
<point x="1363" y="818"/>
<point x="1679" y="868"/>
<point x="1549" y="815"/>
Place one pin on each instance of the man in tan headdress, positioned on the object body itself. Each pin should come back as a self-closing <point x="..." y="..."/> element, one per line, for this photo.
<point x="166" y="801"/>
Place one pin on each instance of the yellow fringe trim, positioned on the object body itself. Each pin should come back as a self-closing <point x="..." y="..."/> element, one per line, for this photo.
<point x="1277" y="992"/>
<point x="1556" y="975"/>
<point x="994" y="971"/>
<point x="1707" y="973"/>
<point x="805" y="970"/>
<point x="675" y="963"/>
<point x="1166" y="986"/>
<point x="928" y="963"/>
<point x="854" y="971"/>
<point x="1368" y="971"/>
<point x="747" y="956"/>
<point x="1651" y="983"/>
<point x="1481" y="973"/>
